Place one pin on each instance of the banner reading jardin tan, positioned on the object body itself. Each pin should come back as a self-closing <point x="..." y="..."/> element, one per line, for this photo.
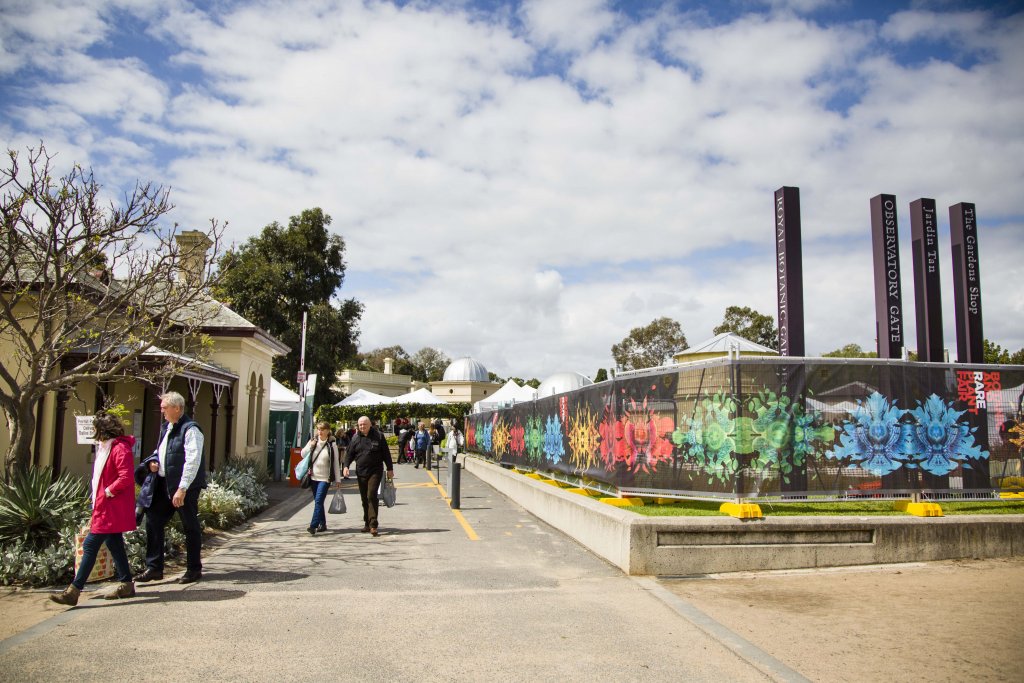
<point x="775" y="428"/>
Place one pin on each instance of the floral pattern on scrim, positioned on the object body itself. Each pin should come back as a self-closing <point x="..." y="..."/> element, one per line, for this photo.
<point x="584" y="437"/>
<point x="517" y="438"/>
<point x="650" y="443"/>
<point x="785" y="433"/>
<point x="873" y="440"/>
<point x="484" y="436"/>
<point x="471" y="434"/>
<point x="882" y="438"/>
<point x="554" y="447"/>
<point x="707" y="437"/>
<point x="937" y="441"/>
<point x="499" y="436"/>
<point x="535" y="438"/>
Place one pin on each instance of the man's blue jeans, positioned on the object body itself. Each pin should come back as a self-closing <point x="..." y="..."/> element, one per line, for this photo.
<point x="91" y="547"/>
<point x="319" y="489"/>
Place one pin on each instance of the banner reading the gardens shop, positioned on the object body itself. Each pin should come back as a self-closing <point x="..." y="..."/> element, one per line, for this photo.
<point x="769" y="427"/>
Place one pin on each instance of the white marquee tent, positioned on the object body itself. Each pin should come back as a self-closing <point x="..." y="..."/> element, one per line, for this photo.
<point x="284" y="399"/>
<point x="421" y="396"/>
<point x="362" y="397"/>
<point x="510" y="393"/>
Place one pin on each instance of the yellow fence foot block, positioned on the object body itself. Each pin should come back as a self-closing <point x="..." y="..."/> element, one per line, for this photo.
<point x="533" y="475"/>
<point x="742" y="510"/>
<point x="556" y="483"/>
<point x="918" y="509"/>
<point x="623" y="502"/>
<point x="665" y="501"/>
<point x="1012" y="494"/>
<point x="584" y="492"/>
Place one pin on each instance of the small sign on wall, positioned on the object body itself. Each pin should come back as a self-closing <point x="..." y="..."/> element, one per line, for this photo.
<point x="85" y="430"/>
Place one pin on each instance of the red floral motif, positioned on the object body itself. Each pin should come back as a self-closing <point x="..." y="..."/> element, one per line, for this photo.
<point x="518" y="438"/>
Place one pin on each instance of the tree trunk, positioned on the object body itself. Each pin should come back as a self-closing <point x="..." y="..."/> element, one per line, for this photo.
<point x="21" y="425"/>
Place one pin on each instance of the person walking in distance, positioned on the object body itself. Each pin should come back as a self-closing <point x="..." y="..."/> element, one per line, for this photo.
<point x="180" y="477"/>
<point x="369" y="450"/>
<point x="421" y="445"/>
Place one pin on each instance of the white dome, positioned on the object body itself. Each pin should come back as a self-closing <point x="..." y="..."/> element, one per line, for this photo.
<point x="466" y="370"/>
<point x="562" y="382"/>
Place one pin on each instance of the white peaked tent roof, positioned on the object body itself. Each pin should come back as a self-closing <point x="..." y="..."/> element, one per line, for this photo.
<point x="510" y="392"/>
<point x="282" y="398"/>
<point x="725" y="341"/>
<point x="362" y="397"/>
<point x="422" y="396"/>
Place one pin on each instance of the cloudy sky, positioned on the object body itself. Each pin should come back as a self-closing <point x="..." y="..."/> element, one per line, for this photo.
<point x="523" y="182"/>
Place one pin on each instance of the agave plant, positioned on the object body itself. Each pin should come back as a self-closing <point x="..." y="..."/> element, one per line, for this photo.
<point x="34" y="508"/>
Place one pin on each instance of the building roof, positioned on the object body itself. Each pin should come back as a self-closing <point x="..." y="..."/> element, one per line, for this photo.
<point x="725" y="342"/>
<point x="466" y="370"/>
<point x="562" y="382"/>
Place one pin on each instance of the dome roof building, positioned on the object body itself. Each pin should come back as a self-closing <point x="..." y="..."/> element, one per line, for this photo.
<point x="466" y="370"/>
<point x="562" y="382"/>
<point x="465" y="380"/>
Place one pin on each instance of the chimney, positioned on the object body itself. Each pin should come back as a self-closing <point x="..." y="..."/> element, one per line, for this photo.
<point x="192" y="248"/>
<point x="387" y="365"/>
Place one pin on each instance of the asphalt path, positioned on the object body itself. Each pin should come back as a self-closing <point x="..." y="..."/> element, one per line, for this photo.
<point x="488" y="592"/>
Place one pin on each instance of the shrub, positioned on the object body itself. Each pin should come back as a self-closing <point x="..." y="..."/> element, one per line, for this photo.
<point x="219" y="507"/>
<point x="34" y="509"/>
<point x="245" y="479"/>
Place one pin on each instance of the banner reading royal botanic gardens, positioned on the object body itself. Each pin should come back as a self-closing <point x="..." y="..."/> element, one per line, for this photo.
<point x="775" y="428"/>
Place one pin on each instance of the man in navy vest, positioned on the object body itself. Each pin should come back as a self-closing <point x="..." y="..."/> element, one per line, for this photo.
<point x="180" y="478"/>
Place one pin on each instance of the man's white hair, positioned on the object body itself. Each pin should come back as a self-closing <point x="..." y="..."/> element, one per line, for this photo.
<point x="173" y="398"/>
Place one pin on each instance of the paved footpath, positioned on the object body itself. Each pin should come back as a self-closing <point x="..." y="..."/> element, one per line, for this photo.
<point x="488" y="593"/>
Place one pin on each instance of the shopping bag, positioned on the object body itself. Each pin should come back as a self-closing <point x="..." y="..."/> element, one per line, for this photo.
<point x="337" y="506"/>
<point x="387" y="492"/>
<point x="104" y="567"/>
<point x="302" y="468"/>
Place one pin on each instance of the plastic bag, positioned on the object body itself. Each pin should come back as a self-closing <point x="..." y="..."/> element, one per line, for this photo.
<point x="337" y="506"/>
<point x="387" y="492"/>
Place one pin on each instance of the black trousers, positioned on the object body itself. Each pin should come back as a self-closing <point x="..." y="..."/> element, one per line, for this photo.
<point x="157" y="516"/>
<point x="368" y="488"/>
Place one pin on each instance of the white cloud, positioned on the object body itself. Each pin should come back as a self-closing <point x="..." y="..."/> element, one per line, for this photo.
<point x="546" y="215"/>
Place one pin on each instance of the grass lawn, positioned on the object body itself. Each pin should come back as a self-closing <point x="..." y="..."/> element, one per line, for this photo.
<point x="700" y="508"/>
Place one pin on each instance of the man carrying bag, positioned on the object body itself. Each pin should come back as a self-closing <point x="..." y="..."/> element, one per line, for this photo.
<point x="369" y="450"/>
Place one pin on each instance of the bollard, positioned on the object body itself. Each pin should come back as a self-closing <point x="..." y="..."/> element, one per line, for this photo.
<point x="454" y="479"/>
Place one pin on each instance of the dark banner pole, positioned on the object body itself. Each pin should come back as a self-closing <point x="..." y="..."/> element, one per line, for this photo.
<point x="924" y="231"/>
<point x="885" y="250"/>
<point x="963" y="232"/>
<point x="789" y="271"/>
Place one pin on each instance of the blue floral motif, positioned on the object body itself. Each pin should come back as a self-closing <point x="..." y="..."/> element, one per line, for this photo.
<point x="938" y="441"/>
<point x="875" y="439"/>
<point x="554" y="445"/>
<point x="484" y="436"/>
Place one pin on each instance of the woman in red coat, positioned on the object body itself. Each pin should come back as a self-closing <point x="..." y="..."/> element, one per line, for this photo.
<point x="113" y="509"/>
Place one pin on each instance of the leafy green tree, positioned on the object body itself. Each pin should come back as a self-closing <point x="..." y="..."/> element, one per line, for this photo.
<point x="850" y="351"/>
<point x="996" y="354"/>
<point x="430" y="364"/>
<point x="751" y="325"/>
<point x="601" y="375"/>
<point x="650" y="346"/>
<point x="374" y="360"/>
<point x="286" y="270"/>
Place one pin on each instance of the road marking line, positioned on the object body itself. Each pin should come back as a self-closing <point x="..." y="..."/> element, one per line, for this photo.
<point x="458" y="513"/>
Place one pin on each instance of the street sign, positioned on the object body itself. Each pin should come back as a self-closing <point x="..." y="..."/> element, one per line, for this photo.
<point x="301" y="377"/>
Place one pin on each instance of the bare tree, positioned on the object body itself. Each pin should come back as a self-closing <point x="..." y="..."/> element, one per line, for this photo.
<point x="91" y="292"/>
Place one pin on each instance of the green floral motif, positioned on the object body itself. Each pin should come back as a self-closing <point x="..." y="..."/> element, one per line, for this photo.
<point x="535" y="438"/>
<point x="708" y="436"/>
<point x="785" y="433"/>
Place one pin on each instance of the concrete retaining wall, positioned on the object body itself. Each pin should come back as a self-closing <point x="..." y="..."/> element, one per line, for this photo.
<point x="703" y="545"/>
